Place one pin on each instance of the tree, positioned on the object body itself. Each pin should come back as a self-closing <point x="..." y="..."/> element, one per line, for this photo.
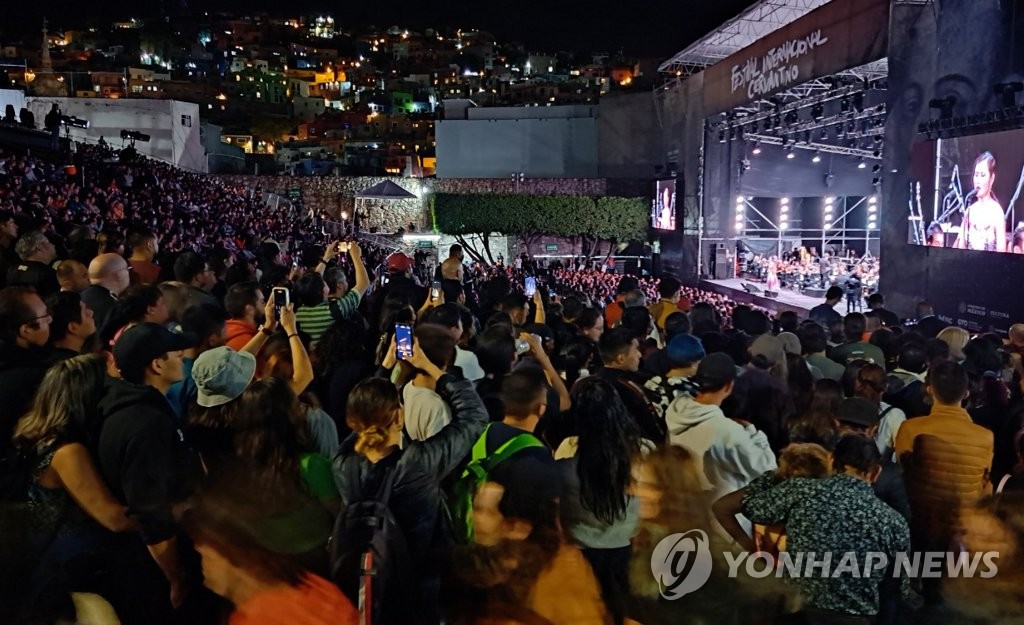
<point x="530" y="217"/>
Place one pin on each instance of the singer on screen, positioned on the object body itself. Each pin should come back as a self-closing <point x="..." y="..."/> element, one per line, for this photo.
<point x="984" y="224"/>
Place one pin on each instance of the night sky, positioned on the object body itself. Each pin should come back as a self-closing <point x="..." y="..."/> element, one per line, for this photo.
<point x="655" y="28"/>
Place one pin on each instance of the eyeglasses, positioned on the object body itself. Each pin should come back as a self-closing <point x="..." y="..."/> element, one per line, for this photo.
<point x="47" y="316"/>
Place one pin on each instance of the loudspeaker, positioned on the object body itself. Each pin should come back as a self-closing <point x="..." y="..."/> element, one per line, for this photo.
<point x="771" y="294"/>
<point x="751" y="288"/>
<point x="725" y="268"/>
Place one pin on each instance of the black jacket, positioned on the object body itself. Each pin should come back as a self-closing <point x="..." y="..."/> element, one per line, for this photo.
<point x="101" y="302"/>
<point x="21" y="372"/>
<point x="416" y="498"/>
<point x="35" y="274"/>
<point x="143" y="457"/>
<point x="930" y="326"/>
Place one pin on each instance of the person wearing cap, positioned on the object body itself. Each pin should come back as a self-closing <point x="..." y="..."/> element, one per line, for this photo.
<point x="684" y="353"/>
<point x="860" y="416"/>
<point x="400" y="282"/>
<point x="729" y="452"/>
<point x="141" y="450"/>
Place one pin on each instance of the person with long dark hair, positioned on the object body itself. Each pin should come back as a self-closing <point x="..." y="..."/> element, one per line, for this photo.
<point x="984" y="224"/>
<point x="597" y="509"/>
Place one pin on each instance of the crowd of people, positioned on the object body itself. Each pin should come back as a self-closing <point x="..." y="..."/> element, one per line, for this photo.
<point x="211" y="415"/>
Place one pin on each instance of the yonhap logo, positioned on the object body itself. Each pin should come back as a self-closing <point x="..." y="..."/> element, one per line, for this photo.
<point x="681" y="563"/>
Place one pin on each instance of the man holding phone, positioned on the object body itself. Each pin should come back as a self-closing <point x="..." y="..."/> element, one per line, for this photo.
<point x="318" y="311"/>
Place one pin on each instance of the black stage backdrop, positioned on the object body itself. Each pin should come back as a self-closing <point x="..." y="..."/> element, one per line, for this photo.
<point x="958" y="48"/>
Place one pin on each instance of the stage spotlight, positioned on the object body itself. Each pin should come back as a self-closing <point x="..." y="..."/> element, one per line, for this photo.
<point x="817" y="111"/>
<point x="824" y="134"/>
<point x="861" y="164"/>
<point x="71" y="120"/>
<point x="721" y="136"/>
<point x="945" y="106"/>
<point x="844" y="105"/>
<point x="1008" y="90"/>
<point x="757" y="148"/>
<point x="817" y="157"/>
<point x="876" y="168"/>
<point x="134" y="135"/>
<point x="790" y="153"/>
<point x="784" y="200"/>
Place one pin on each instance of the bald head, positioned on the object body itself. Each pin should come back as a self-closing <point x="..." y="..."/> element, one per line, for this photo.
<point x="1017" y="334"/>
<point x="109" y="271"/>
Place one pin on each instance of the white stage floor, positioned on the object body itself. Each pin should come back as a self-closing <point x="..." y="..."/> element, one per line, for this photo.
<point x="787" y="299"/>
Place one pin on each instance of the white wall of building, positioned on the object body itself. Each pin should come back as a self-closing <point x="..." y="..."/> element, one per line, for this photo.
<point x="14" y="97"/>
<point x="173" y="126"/>
<point x="540" y="143"/>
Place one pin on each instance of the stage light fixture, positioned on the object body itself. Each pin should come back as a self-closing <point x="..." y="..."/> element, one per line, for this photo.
<point x="873" y="199"/>
<point x="861" y="164"/>
<point x="757" y="148"/>
<point x="945" y="106"/>
<point x="824" y="135"/>
<point x="739" y="199"/>
<point x="876" y="169"/>
<point x="817" y="157"/>
<point x="829" y="199"/>
<point x="790" y="154"/>
<point x="134" y="135"/>
<point x="817" y="111"/>
<point x="721" y="136"/>
<point x="76" y="122"/>
<point x="784" y="200"/>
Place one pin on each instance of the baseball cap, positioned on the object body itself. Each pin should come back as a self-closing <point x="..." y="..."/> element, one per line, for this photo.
<point x="858" y="411"/>
<point x="143" y="343"/>
<point x="399" y="262"/>
<point x="684" y="349"/>
<point x="716" y="370"/>
<point x="222" y="374"/>
<point x="769" y="347"/>
<point x="790" y="343"/>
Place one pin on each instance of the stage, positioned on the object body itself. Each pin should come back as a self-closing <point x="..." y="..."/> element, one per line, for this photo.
<point x="787" y="300"/>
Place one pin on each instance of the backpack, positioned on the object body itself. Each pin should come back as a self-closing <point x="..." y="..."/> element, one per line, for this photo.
<point x="475" y="474"/>
<point x="370" y="559"/>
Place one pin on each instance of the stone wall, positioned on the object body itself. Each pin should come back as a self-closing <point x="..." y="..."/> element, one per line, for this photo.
<point x="333" y="195"/>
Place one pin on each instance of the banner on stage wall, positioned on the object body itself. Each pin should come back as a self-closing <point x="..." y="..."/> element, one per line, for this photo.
<point x="836" y="37"/>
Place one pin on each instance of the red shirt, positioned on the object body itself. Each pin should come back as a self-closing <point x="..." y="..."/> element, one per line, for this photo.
<point x="313" y="602"/>
<point x="238" y="333"/>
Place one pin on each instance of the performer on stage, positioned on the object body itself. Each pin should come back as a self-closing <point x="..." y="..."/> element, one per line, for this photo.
<point x="984" y="224"/>
<point x="772" y="283"/>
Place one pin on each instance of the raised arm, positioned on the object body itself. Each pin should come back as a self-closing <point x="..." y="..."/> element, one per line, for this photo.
<point x="301" y="366"/>
<point x="443" y="452"/>
<point x="725" y="510"/>
<point x="555" y="380"/>
<point x="362" y="278"/>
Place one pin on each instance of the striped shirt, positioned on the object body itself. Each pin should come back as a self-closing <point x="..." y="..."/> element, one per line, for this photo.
<point x="314" y="320"/>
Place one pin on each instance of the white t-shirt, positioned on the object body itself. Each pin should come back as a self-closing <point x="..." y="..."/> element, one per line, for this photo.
<point x="470" y="365"/>
<point x="425" y="412"/>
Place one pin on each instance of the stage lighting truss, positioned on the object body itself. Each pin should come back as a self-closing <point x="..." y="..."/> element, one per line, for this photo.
<point x="826" y="148"/>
